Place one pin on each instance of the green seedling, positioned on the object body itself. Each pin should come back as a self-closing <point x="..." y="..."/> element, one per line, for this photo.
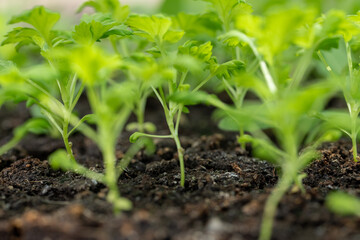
<point x="42" y="93"/>
<point x="189" y="58"/>
<point x="138" y="67"/>
<point x="344" y="33"/>
<point x="111" y="103"/>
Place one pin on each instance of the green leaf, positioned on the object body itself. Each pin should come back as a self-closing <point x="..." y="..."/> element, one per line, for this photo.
<point x="23" y="36"/>
<point x="228" y="9"/>
<point x="173" y="36"/>
<point x="61" y="160"/>
<point x="264" y="149"/>
<point x="229" y="124"/>
<point x="96" y="67"/>
<point x="154" y="28"/>
<point x="190" y="98"/>
<point x="34" y="125"/>
<point x="228" y="69"/>
<point x="119" y="95"/>
<point x="197" y="26"/>
<point x="202" y="52"/>
<point x="121" y="31"/>
<point x="343" y="204"/>
<point x="42" y="19"/>
<point x="336" y="23"/>
<point x="277" y="31"/>
<point x="135" y="136"/>
<point x="119" y="12"/>
<point x="98" y="26"/>
<point x="339" y="119"/>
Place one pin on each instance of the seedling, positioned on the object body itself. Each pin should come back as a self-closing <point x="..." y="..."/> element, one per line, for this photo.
<point x="42" y="35"/>
<point x="344" y="35"/>
<point x="111" y="103"/>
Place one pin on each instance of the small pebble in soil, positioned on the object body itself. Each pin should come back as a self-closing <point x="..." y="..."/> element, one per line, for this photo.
<point x="45" y="190"/>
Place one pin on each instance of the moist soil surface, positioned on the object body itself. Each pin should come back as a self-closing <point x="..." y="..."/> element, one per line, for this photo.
<point x="223" y="197"/>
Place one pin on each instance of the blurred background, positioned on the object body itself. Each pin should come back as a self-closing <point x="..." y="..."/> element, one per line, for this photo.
<point x="69" y="17"/>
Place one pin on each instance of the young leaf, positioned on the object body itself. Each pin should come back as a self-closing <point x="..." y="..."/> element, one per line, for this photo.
<point x="228" y="9"/>
<point x="203" y="52"/>
<point x="61" y="160"/>
<point x="98" y="26"/>
<point x="338" y="119"/>
<point x="42" y="19"/>
<point x="96" y="67"/>
<point x="154" y="28"/>
<point x="119" y="12"/>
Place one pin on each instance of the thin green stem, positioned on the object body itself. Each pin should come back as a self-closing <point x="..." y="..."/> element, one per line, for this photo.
<point x="140" y="111"/>
<point x="10" y="144"/>
<point x="125" y="161"/>
<point x="202" y="83"/>
<point x="65" y="135"/>
<point x="177" y="124"/>
<point x="349" y="59"/>
<point x="323" y="60"/>
<point x="271" y="206"/>
<point x="354" y="116"/>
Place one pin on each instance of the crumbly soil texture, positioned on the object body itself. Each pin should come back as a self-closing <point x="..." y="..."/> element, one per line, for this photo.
<point x="223" y="197"/>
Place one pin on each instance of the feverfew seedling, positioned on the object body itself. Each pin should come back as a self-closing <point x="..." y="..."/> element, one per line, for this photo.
<point x="346" y="29"/>
<point x="42" y="34"/>
<point x="111" y="103"/>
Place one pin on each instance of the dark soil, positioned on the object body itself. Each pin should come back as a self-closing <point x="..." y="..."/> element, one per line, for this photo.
<point x="223" y="198"/>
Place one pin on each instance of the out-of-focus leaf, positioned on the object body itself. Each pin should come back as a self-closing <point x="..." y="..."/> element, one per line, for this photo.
<point x="96" y="67"/>
<point x="343" y="204"/>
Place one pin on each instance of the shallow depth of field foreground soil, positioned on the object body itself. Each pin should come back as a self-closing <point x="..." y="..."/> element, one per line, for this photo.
<point x="223" y="199"/>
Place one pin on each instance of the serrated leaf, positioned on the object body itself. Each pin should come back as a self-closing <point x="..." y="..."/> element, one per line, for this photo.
<point x="23" y="36"/>
<point x="89" y="32"/>
<point x="228" y="9"/>
<point x="154" y="28"/>
<point x="42" y="19"/>
<point x="202" y="52"/>
<point x="336" y="23"/>
<point x="228" y="69"/>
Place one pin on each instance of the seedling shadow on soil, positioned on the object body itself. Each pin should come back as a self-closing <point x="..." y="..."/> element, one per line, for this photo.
<point x="223" y="199"/>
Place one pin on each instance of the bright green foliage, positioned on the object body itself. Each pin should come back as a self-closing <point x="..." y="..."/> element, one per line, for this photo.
<point x="42" y="20"/>
<point x="96" y="27"/>
<point x="118" y="12"/>
<point x="347" y="77"/>
<point x="154" y="28"/>
<point x="281" y="27"/>
<point x="96" y="67"/>
<point x="111" y="105"/>
<point x="227" y="10"/>
<point x="197" y="26"/>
